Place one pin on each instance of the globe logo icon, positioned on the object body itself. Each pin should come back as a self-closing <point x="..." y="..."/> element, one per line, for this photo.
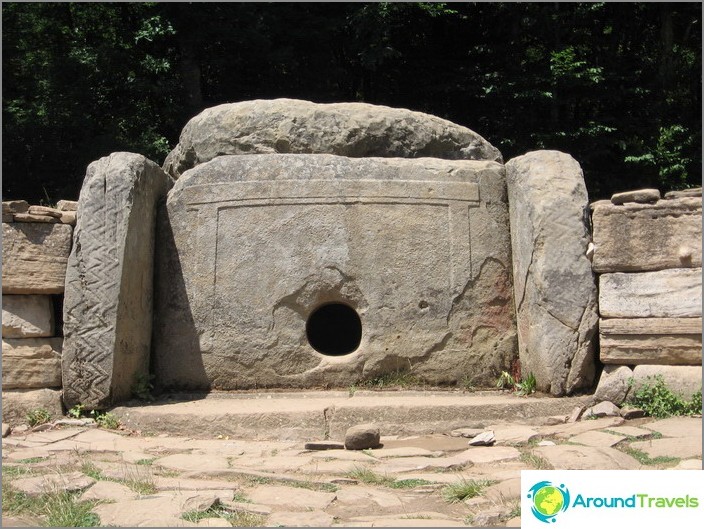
<point x="548" y="500"/>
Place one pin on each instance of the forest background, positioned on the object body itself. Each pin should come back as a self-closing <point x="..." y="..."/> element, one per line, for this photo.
<point x="616" y="85"/>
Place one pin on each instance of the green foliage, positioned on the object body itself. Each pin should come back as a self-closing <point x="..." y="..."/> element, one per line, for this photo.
<point x="367" y="475"/>
<point x="645" y="459"/>
<point x="38" y="416"/>
<point x="505" y="381"/>
<point x="59" y="509"/>
<point x="76" y="411"/>
<point x="465" y="489"/>
<point x="657" y="400"/>
<point x="527" y="385"/>
<point x="408" y="483"/>
<point x="105" y="420"/>
<point x="617" y="85"/>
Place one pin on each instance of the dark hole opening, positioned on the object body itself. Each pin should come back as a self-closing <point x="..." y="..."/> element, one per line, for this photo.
<point x="334" y="329"/>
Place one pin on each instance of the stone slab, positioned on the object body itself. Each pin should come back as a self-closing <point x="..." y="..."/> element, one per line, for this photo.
<point x="109" y="490"/>
<point x="682" y="447"/>
<point x="43" y="210"/>
<point x="630" y="431"/>
<point x="31" y="363"/>
<point x="613" y="384"/>
<point x="15" y="206"/>
<point x="675" y="293"/>
<point x="685" y="380"/>
<point x="109" y="276"/>
<point x="597" y="439"/>
<point x="554" y="286"/>
<point x="143" y="512"/>
<point x="576" y="457"/>
<point x="692" y="192"/>
<point x="69" y="482"/>
<point x="35" y="218"/>
<point x="34" y="258"/>
<point x="639" y="195"/>
<point x="320" y="229"/>
<point x="294" y="499"/>
<point x="689" y="464"/>
<point x="668" y="341"/>
<point x="677" y="427"/>
<point x="482" y="455"/>
<point x="642" y="237"/>
<point x="315" y="518"/>
<point x="294" y="126"/>
<point x="67" y="205"/>
<point x="27" y="316"/>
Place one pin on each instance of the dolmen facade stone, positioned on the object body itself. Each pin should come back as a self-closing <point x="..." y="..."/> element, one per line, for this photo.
<point x="281" y="270"/>
<point x="307" y="245"/>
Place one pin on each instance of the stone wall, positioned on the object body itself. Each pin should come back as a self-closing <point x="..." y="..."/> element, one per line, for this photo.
<point x="648" y="255"/>
<point x="35" y="250"/>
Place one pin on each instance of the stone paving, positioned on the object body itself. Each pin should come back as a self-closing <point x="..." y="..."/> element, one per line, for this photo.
<point x="165" y="480"/>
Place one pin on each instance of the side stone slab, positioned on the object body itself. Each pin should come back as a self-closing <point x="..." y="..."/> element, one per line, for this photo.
<point x="108" y="300"/>
<point x="643" y="237"/>
<point x="31" y="363"/>
<point x="554" y="287"/>
<point x="34" y="257"/>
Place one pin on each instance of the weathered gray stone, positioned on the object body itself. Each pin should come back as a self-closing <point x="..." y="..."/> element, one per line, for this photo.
<point x="483" y="439"/>
<point x="34" y="258"/>
<point x="640" y="196"/>
<point x="685" y="380"/>
<point x="693" y="192"/>
<point x="15" y="206"/>
<point x="554" y="286"/>
<point x="577" y="457"/>
<point x="294" y="499"/>
<point x="669" y="341"/>
<point x="67" y="205"/>
<point x="362" y="436"/>
<point x="17" y="403"/>
<point x="292" y="126"/>
<point x="324" y="445"/>
<point x="8" y="217"/>
<point x="598" y="439"/>
<point x="253" y="245"/>
<point x="640" y="237"/>
<point x="69" y="217"/>
<point x="629" y="412"/>
<point x="675" y="293"/>
<point x="108" y="300"/>
<point x="603" y="409"/>
<point x="34" y="218"/>
<point x="31" y="363"/>
<point x="27" y="317"/>
<point x="613" y="384"/>
<point x="5" y="430"/>
<point x="71" y="482"/>
<point x="46" y="211"/>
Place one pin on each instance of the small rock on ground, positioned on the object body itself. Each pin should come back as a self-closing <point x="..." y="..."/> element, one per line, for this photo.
<point x="603" y="409"/>
<point x="483" y="439"/>
<point x="362" y="436"/>
<point x="5" y="430"/>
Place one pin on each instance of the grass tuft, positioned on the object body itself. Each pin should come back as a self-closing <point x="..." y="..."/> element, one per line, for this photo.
<point x="462" y="490"/>
<point x="367" y="475"/>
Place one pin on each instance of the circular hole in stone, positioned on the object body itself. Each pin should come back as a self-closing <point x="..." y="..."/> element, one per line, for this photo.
<point x="334" y="329"/>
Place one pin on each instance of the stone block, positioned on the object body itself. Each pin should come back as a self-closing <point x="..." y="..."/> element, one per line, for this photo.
<point x="554" y="286"/>
<point x="640" y="195"/>
<point x="408" y="259"/>
<point x="291" y="126"/>
<point x="27" y="316"/>
<point x="669" y="341"/>
<point x="362" y="436"/>
<point x="693" y="192"/>
<point x="43" y="210"/>
<point x="31" y="363"/>
<point x="17" y="403"/>
<point x="613" y="384"/>
<point x="109" y="279"/>
<point x="675" y="293"/>
<point x="15" y="206"/>
<point x="35" y="218"/>
<point x="685" y="380"/>
<point x="34" y="258"/>
<point x="67" y="205"/>
<point x="643" y="237"/>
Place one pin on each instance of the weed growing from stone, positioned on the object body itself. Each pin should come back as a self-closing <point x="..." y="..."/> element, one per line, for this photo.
<point x="657" y="400"/>
<point x="145" y="462"/>
<point x="367" y="475"/>
<point x="535" y="461"/>
<point x="14" y="471"/>
<point x="235" y="518"/>
<point x="310" y="485"/>
<point x="106" y="420"/>
<point x="409" y="483"/>
<point x="56" y="509"/>
<point x="31" y="460"/>
<point x="464" y="489"/>
<point x="527" y="385"/>
<point x="645" y="459"/>
<point x="38" y="416"/>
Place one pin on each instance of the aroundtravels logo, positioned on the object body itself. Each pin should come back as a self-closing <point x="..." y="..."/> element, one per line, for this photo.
<point x="548" y="500"/>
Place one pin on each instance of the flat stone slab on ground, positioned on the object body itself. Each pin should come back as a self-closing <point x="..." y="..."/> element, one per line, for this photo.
<point x="677" y="427"/>
<point x="324" y="445"/>
<point x="71" y="482"/>
<point x="145" y="512"/>
<point x="597" y="439"/>
<point x="192" y="462"/>
<point x="630" y="431"/>
<point x="682" y="447"/>
<point x="564" y="431"/>
<point x="300" y="519"/>
<point x="576" y="457"/>
<point x="362" y="495"/>
<point x="509" y="489"/>
<point x="109" y="490"/>
<point x="513" y="433"/>
<point x="290" y="498"/>
<point x="488" y="454"/>
<point x="345" y="455"/>
<point x="689" y="464"/>
<point x="404" y="451"/>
